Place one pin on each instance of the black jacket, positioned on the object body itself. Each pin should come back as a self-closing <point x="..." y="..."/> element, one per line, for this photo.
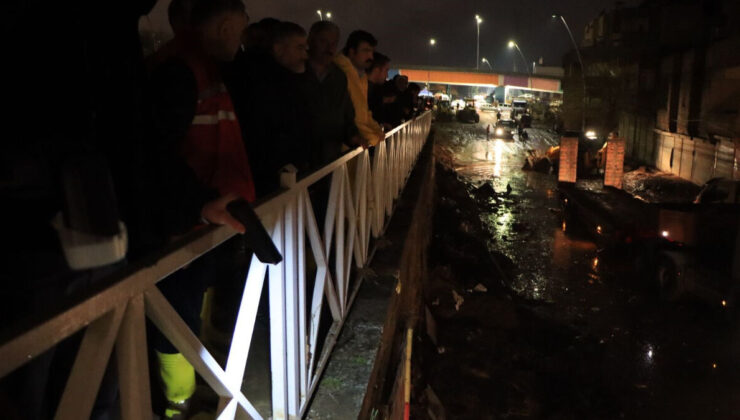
<point x="271" y="115"/>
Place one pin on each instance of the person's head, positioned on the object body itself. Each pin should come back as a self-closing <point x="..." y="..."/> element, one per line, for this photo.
<point x="401" y="82"/>
<point x="414" y="89"/>
<point x="289" y="47"/>
<point x="389" y="94"/>
<point x="323" y="41"/>
<point x="220" y="24"/>
<point x="259" y="35"/>
<point x="378" y="71"/>
<point x="359" y="49"/>
<point x="178" y="13"/>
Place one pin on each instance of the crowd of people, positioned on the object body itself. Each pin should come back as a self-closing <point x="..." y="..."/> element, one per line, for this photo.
<point x="151" y="148"/>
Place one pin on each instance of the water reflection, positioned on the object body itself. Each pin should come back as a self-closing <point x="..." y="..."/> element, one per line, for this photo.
<point x="498" y="150"/>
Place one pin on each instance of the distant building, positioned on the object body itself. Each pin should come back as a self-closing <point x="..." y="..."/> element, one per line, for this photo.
<point x="666" y="76"/>
<point x="549" y="71"/>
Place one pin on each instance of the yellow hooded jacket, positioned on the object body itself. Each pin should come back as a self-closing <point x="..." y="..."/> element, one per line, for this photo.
<point x="369" y="129"/>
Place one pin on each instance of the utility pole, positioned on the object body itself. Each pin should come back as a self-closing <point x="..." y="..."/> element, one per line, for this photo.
<point x="583" y="70"/>
<point x="478" y="21"/>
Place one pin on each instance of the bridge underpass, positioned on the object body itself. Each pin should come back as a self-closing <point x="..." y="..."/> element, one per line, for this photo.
<point x="504" y="86"/>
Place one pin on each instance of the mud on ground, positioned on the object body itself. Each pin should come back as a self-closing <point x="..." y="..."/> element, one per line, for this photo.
<point x="494" y="357"/>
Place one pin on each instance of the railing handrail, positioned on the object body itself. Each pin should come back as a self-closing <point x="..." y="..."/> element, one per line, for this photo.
<point x="142" y="275"/>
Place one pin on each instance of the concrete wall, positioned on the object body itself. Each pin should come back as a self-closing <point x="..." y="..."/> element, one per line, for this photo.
<point x="411" y="228"/>
<point x="695" y="159"/>
<point x="638" y="132"/>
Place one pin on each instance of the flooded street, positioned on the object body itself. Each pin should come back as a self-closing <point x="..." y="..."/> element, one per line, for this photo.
<point x="533" y="320"/>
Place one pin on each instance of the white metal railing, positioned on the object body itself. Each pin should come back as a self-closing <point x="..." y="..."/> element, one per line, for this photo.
<point x="359" y="207"/>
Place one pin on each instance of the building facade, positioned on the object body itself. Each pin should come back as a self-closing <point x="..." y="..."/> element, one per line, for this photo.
<point x="666" y="76"/>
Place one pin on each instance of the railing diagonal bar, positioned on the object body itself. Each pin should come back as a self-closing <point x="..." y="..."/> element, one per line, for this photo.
<point x="89" y="366"/>
<point x="166" y="319"/>
<point x="241" y="341"/>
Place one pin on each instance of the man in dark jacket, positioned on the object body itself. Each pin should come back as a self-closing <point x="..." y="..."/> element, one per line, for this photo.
<point x="324" y="91"/>
<point x="269" y="108"/>
<point x="376" y="76"/>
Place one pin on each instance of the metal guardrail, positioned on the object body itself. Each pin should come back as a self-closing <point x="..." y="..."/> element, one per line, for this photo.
<point x="359" y="207"/>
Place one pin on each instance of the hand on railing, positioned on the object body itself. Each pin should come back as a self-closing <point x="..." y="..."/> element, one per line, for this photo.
<point x="215" y="212"/>
<point x="358" y="140"/>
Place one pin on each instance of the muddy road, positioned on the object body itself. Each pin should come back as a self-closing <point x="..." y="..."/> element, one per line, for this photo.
<point x="534" y="321"/>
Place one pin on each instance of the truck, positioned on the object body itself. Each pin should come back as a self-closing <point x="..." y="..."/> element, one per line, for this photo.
<point x="684" y="249"/>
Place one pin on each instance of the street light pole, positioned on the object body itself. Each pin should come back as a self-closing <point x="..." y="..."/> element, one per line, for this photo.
<point x="321" y="17"/>
<point x="583" y="70"/>
<point x="432" y="43"/>
<point x="484" y="60"/>
<point x="513" y="44"/>
<point x="478" y="21"/>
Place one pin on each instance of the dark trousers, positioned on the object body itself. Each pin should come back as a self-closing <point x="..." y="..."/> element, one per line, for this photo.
<point x="184" y="289"/>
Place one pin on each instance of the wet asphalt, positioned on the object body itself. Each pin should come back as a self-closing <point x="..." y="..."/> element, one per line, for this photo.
<point x="607" y="346"/>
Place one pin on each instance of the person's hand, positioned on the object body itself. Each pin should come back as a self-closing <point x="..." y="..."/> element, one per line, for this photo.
<point x="215" y="212"/>
<point x="358" y="140"/>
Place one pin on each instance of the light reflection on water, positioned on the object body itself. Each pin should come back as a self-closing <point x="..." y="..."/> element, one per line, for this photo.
<point x="483" y="160"/>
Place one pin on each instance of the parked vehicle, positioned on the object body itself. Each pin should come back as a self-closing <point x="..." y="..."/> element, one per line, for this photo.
<point x="486" y="107"/>
<point x="469" y="113"/>
<point x="719" y="190"/>
<point x="519" y="106"/>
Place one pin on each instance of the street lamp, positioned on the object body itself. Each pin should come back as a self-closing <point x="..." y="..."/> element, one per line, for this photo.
<point x="583" y="70"/>
<point x="328" y="15"/>
<point x="484" y="60"/>
<point x="513" y="44"/>
<point x="478" y="21"/>
<point x="321" y="17"/>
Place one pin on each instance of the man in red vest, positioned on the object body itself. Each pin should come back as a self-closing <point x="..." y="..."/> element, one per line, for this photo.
<point x="204" y="166"/>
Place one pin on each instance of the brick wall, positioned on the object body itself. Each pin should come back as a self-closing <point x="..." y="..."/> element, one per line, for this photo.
<point x="568" y="159"/>
<point x="614" y="168"/>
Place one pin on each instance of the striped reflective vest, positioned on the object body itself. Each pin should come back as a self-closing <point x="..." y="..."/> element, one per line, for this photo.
<point x="213" y="146"/>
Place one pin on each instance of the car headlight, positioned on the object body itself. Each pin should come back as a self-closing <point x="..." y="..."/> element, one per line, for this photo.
<point x="499" y="131"/>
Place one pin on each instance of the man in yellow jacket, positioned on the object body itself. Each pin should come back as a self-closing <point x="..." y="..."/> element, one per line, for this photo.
<point x="354" y="61"/>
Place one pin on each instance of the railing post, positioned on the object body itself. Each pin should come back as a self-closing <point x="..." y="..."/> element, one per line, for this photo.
<point x="278" y="350"/>
<point x="133" y="362"/>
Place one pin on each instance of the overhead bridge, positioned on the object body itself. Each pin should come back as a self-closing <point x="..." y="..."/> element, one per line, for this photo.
<point x="471" y="77"/>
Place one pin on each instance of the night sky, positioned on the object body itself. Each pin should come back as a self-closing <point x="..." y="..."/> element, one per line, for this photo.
<point x="403" y="27"/>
